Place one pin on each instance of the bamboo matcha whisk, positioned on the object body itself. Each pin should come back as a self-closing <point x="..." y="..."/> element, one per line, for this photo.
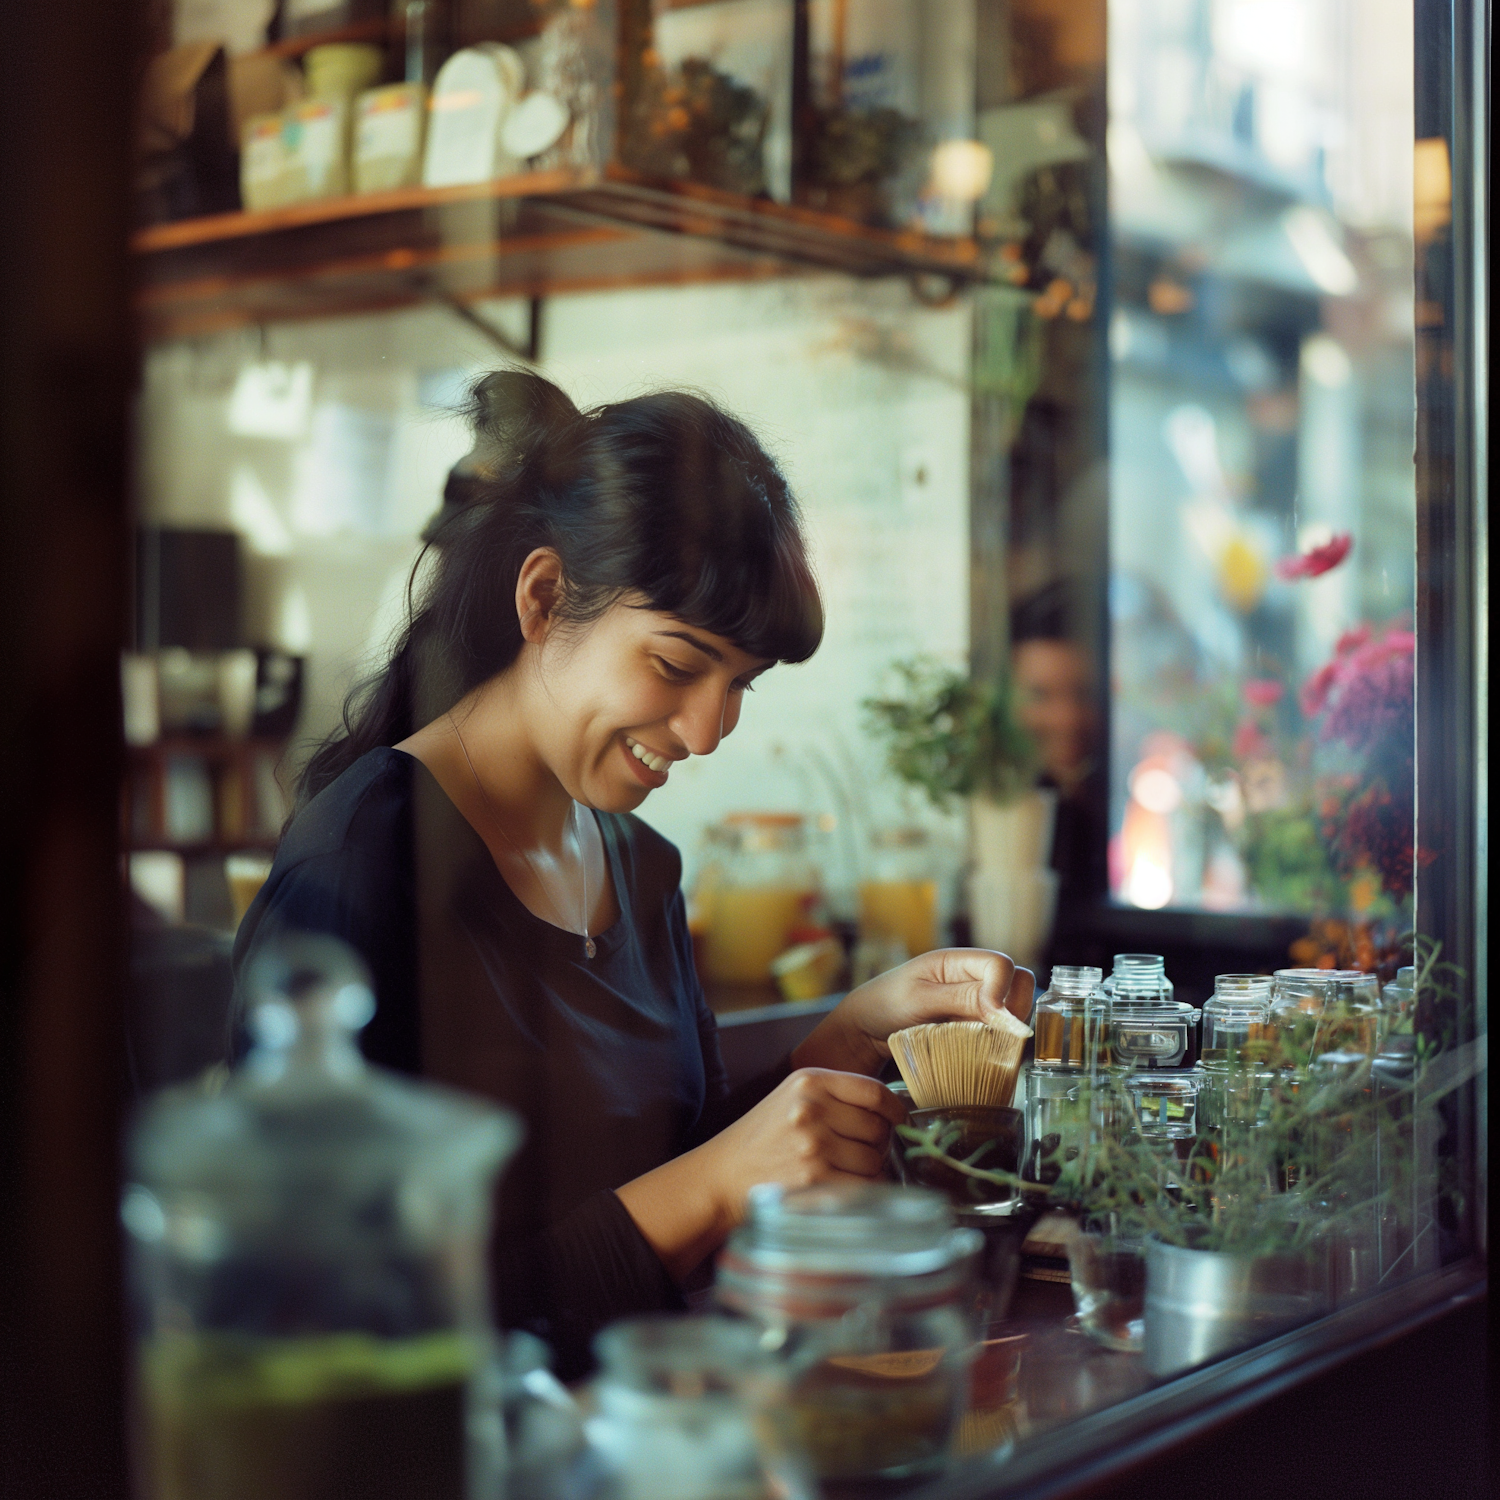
<point x="951" y="1063"/>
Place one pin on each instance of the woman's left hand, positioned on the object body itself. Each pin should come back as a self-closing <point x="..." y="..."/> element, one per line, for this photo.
<point x="948" y="984"/>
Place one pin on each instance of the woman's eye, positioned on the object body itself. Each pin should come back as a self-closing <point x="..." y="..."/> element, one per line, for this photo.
<point x="742" y="687"/>
<point x="672" y="672"/>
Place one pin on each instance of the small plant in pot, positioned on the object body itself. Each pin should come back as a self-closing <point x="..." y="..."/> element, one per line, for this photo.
<point x="957" y="737"/>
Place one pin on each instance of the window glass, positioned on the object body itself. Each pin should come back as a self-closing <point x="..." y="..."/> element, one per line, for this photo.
<point x="1262" y="487"/>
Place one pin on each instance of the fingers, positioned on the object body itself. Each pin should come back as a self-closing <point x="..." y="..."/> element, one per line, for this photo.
<point x="855" y="1089"/>
<point x="974" y="983"/>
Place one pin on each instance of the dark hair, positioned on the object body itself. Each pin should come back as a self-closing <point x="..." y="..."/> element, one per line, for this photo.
<point x="664" y="496"/>
<point x="1052" y="613"/>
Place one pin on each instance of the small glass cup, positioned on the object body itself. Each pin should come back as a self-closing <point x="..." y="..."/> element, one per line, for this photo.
<point x="1108" y="1273"/>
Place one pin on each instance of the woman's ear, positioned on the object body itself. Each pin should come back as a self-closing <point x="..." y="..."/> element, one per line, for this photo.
<point x="539" y="591"/>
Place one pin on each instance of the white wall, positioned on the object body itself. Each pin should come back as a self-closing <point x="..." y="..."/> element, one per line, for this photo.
<point x="860" y="393"/>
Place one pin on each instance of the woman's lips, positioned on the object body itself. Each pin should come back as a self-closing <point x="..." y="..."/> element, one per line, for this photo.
<point x="642" y="773"/>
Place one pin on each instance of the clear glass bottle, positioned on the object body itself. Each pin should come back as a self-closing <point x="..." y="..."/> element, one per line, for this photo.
<point x="867" y="1294"/>
<point x="1067" y="1020"/>
<point x="1399" y="999"/>
<point x="1146" y="1026"/>
<point x="674" y="1411"/>
<point x="308" y="1257"/>
<point x="1235" y="1017"/>
<point x="1166" y="1103"/>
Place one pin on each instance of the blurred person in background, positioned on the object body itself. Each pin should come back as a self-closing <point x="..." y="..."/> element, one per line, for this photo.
<point x="1056" y="682"/>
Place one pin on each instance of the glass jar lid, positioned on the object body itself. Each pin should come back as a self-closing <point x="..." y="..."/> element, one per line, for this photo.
<point x="1074" y="982"/>
<point x="863" y="1230"/>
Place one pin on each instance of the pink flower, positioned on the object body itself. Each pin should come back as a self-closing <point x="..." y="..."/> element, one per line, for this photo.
<point x="1313" y="698"/>
<point x="1366" y="692"/>
<point x="1318" y="561"/>
<point x="1262" y="692"/>
<point x="1250" y="742"/>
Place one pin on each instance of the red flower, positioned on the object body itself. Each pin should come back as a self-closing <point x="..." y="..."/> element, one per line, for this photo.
<point x="1263" y="692"/>
<point x="1318" y="561"/>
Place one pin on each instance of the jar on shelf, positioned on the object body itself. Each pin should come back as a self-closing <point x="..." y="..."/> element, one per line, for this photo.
<point x="1068" y="1020"/>
<point x="757" y="888"/>
<point x="866" y="1292"/>
<point x="898" y="899"/>
<point x="308" y="1253"/>
<point x="1235" y="1018"/>
<point x="1058" y="1118"/>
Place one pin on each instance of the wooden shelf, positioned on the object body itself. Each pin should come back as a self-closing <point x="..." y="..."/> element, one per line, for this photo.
<point x="534" y="235"/>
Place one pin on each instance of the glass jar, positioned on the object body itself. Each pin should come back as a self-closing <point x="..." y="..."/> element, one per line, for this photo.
<point x="308" y="1250"/>
<point x="758" y="887"/>
<point x="1067" y="1020"/>
<point x="1399" y="1000"/>
<point x="674" y="1410"/>
<point x="867" y="1292"/>
<point x="1139" y="977"/>
<point x="1149" y="1035"/>
<point x="1324" y="1010"/>
<point x="1237" y="1015"/>
<point x="1108" y="1274"/>
<point x="1166" y="1103"/>
<point x="899" y="900"/>
<point x="1058" y="1104"/>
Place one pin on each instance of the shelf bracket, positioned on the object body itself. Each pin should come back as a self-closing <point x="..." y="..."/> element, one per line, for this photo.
<point x="530" y="351"/>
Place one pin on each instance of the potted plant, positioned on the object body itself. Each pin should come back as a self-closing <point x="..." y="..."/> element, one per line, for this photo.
<point x="954" y="737"/>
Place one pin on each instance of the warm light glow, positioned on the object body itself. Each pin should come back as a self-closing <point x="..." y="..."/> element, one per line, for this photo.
<point x="1156" y="789"/>
<point x="962" y="170"/>
<point x="1148" y="885"/>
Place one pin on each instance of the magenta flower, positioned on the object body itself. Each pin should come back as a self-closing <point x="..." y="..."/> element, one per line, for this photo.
<point x="1319" y="560"/>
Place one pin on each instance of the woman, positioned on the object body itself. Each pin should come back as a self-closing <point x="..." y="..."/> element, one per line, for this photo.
<point x="592" y="619"/>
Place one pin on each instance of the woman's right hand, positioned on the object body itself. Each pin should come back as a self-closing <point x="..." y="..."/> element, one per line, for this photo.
<point x="816" y="1126"/>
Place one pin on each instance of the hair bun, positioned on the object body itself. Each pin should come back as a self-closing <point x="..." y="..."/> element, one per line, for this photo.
<point x="513" y="412"/>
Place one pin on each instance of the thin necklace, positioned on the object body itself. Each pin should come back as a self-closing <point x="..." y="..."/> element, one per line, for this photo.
<point x="589" y="946"/>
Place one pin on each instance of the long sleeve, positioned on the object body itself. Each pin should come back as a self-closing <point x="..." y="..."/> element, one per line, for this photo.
<point x="565" y="1283"/>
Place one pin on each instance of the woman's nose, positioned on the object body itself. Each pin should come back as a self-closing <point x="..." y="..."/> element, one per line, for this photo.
<point x="699" y="723"/>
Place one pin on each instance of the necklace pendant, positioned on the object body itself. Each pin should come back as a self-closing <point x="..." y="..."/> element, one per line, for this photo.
<point x="590" y="948"/>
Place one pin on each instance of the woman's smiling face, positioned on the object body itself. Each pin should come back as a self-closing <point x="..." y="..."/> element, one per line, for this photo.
<point x="618" y="702"/>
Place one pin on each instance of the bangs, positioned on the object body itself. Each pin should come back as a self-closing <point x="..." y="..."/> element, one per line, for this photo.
<point x="768" y="607"/>
<point x="711" y="532"/>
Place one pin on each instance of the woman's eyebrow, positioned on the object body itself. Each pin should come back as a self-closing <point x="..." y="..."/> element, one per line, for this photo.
<point x="692" y="640"/>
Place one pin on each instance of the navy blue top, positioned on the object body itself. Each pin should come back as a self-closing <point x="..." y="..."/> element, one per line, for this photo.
<point x="612" y="1062"/>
